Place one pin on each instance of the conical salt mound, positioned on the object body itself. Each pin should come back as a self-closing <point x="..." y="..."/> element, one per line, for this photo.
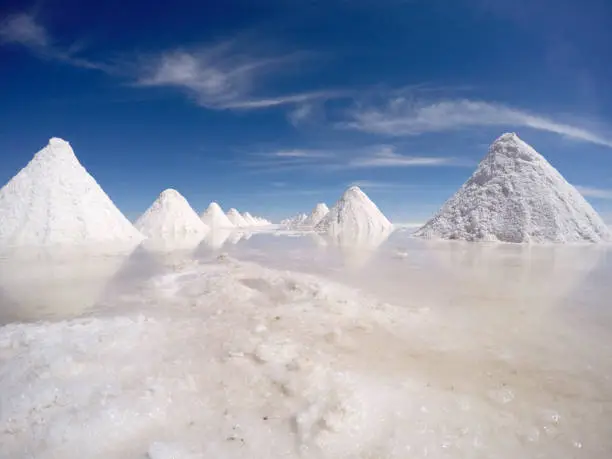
<point x="236" y="219"/>
<point x="215" y="218"/>
<point x="248" y="218"/>
<point x="317" y="214"/>
<point x="515" y="195"/>
<point x="54" y="201"/>
<point x="354" y="218"/>
<point x="171" y="217"/>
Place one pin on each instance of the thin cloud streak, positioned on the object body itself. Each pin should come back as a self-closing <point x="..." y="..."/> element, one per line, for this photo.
<point x="598" y="193"/>
<point x="298" y="153"/>
<point x="23" y="29"/>
<point x="400" y="117"/>
<point x="378" y="185"/>
<point x="371" y="157"/>
<point x="222" y="77"/>
<point x="290" y="99"/>
<point x="387" y="157"/>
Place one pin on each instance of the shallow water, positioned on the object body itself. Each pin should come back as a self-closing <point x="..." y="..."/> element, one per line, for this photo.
<point x="510" y="348"/>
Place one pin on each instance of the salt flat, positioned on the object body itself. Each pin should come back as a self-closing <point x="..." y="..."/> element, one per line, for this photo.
<point x="293" y="347"/>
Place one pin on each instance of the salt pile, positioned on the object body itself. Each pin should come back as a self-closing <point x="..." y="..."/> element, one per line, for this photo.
<point x="237" y="220"/>
<point x="54" y="200"/>
<point x="317" y="214"/>
<point x="171" y="217"/>
<point x="215" y="218"/>
<point x="515" y="195"/>
<point x="263" y="221"/>
<point x="355" y="220"/>
<point x="248" y="218"/>
<point x="294" y="222"/>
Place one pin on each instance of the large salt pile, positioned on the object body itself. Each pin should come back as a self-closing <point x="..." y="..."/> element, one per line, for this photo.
<point x="317" y="214"/>
<point x="171" y="217"/>
<point x="237" y="220"/>
<point x="54" y="201"/>
<point x="215" y="218"/>
<point x="515" y="195"/>
<point x="355" y="220"/>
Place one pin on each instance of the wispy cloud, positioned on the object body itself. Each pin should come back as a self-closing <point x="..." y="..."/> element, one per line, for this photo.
<point x="598" y="193"/>
<point x="403" y="117"/>
<point x="300" y="114"/>
<point x="386" y="156"/>
<point x="299" y="153"/>
<point x="379" y="185"/>
<point x="344" y="158"/>
<point x="23" y="29"/>
<point x="223" y="76"/>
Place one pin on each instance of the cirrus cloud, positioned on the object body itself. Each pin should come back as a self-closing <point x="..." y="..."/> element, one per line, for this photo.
<point x="401" y="117"/>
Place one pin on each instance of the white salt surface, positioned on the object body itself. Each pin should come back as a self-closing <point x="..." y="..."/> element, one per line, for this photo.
<point x="450" y="351"/>
<point x="515" y="195"/>
<point x="55" y="201"/>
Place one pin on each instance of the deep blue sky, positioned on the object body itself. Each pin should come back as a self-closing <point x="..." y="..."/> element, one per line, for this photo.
<point x="271" y="106"/>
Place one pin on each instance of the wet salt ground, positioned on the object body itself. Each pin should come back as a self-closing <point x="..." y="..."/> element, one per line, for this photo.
<point x="506" y="351"/>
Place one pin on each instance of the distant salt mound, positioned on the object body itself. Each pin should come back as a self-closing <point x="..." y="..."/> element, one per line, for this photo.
<point x="54" y="201"/>
<point x="262" y="221"/>
<point x="317" y="214"/>
<point x="515" y="195"/>
<point x="237" y="220"/>
<point x="355" y="220"/>
<point x="248" y="218"/>
<point x="171" y="218"/>
<point x="294" y="222"/>
<point x="215" y="218"/>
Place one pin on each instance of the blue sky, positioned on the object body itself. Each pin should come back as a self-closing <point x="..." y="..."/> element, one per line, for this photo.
<point x="271" y="106"/>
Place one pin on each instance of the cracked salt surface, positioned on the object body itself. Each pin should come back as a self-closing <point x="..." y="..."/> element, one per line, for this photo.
<point x="451" y="351"/>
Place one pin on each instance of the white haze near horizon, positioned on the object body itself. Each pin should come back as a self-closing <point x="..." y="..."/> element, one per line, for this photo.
<point x="436" y="349"/>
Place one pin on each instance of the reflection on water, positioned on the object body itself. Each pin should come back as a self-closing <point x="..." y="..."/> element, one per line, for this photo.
<point x="39" y="284"/>
<point x="217" y="237"/>
<point x="498" y="279"/>
<point x="188" y="242"/>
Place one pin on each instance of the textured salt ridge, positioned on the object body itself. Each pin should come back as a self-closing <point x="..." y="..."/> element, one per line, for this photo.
<point x="296" y="221"/>
<point x="355" y="219"/>
<point x="215" y="218"/>
<point x="317" y="214"/>
<point x="171" y="216"/>
<point x="53" y="200"/>
<point x="516" y="196"/>
<point x="237" y="220"/>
